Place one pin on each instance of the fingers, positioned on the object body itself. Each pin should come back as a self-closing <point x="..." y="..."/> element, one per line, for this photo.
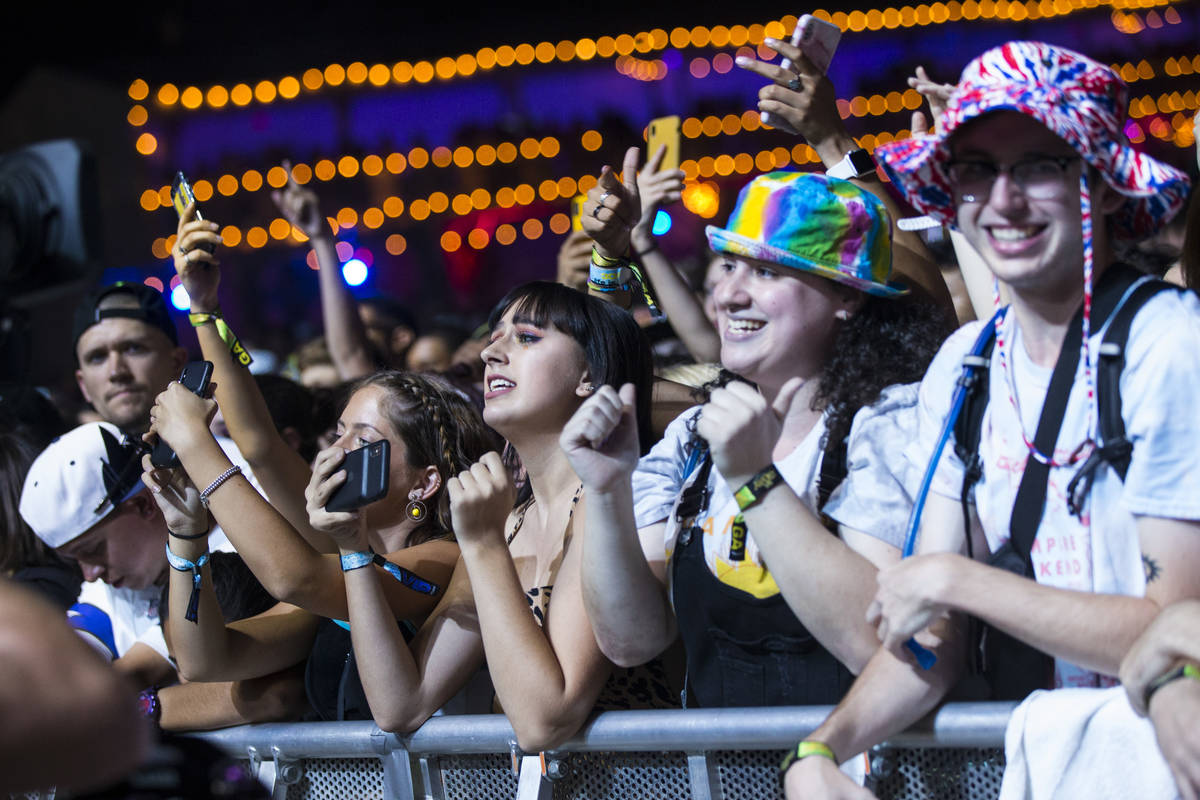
<point x="919" y="123"/>
<point x="655" y="160"/>
<point x="629" y="170"/>
<point x="627" y="395"/>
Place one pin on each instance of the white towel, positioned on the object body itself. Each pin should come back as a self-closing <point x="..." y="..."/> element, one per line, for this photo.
<point x="1082" y="743"/>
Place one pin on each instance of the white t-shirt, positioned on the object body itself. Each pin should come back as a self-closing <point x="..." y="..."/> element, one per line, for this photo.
<point x="875" y="497"/>
<point x="1160" y="386"/>
<point x="134" y="612"/>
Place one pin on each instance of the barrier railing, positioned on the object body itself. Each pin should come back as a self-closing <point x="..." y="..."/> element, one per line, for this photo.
<point x="708" y="754"/>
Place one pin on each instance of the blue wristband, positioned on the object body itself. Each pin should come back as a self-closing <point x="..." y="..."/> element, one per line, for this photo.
<point x="181" y="564"/>
<point x="357" y="560"/>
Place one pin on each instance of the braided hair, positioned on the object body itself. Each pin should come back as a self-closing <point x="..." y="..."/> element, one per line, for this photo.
<point x="439" y="427"/>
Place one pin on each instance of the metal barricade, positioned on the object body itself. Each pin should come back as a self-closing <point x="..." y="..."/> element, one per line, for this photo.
<point x="712" y="754"/>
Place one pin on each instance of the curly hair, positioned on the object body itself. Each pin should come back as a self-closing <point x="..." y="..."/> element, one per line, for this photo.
<point x="439" y="427"/>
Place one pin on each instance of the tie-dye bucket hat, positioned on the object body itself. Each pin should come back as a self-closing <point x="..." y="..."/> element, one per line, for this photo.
<point x="815" y="223"/>
<point x="1082" y="101"/>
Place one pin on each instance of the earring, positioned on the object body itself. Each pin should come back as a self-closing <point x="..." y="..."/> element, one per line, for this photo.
<point x="416" y="510"/>
<point x="587" y="387"/>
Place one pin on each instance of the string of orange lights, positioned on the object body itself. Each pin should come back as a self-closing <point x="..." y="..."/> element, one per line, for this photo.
<point x="190" y="98"/>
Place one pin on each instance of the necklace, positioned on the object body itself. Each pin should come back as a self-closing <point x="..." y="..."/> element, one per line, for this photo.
<point x="525" y="507"/>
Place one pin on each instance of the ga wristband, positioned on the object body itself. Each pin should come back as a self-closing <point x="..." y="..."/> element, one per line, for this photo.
<point x="227" y="335"/>
<point x="755" y="489"/>
<point x="804" y="749"/>
<point x="1186" y="671"/>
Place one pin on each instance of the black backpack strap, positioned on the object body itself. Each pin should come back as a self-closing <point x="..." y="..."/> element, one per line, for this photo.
<point x="969" y="425"/>
<point x="1030" y="503"/>
<point x="834" y="468"/>
<point x="1114" y="447"/>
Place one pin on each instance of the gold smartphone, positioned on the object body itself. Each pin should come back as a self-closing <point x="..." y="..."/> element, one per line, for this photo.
<point x="664" y="131"/>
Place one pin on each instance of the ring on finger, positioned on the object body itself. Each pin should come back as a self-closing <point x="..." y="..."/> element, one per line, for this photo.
<point x="596" y="211"/>
<point x="794" y="84"/>
<point x="604" y="197"/>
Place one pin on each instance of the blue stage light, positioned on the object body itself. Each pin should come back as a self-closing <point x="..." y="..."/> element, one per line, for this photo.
<point x="355" y="272"/>
<point x="180" y="299"/>
<point x="662" y="223"/>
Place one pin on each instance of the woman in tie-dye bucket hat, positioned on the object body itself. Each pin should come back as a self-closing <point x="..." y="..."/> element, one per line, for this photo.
<point x="816" y="340"/>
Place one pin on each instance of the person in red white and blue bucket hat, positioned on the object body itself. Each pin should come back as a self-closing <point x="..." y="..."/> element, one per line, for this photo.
<point x="1079" y="488"/>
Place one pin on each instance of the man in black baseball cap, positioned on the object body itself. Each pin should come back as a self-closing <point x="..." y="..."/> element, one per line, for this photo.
<point x="127" y="351"/>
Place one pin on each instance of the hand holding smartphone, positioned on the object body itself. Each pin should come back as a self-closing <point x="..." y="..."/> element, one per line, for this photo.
<point x="366" y="477"/>
<point x="181" y="197"/>
<point x="818" y="40"/>
<point x="195" y="378"/>
<point x="664" y="131"/>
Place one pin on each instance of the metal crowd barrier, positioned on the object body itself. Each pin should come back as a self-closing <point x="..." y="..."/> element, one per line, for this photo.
<point x="713" y="754"/>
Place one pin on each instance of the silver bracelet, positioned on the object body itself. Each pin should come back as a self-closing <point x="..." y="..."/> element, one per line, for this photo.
<point x="216" y="484"/>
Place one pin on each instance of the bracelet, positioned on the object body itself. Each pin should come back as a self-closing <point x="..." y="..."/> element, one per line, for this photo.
<point x="188" y="537"/>
<point x="216" y="484"/>
<point x="149" y="705"/>
<point x="226" y="333"/>
<point x="756" y="488"/>
<point x="605" y="261"/>
<point x="352" y="561"/>
<point x="182" y="564"/>
<point x="1186" y="671"/>
<point x="804" y="749"/>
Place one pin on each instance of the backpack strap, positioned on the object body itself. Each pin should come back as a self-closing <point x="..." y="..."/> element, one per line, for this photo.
<point x="969" y="425"/>
<point x="834" y="468"/>
<point x="1114" y="447"/>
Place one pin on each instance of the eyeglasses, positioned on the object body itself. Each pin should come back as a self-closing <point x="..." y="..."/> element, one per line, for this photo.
<point x="1040" y="177"/>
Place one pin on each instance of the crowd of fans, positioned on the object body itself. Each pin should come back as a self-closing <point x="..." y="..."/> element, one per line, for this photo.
<point x="830" y="485"/>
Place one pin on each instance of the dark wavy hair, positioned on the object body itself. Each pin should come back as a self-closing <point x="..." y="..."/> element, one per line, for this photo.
<point x="884" y="343"/>
<point x="439" y="427"/>
<point x="613" y="345"/>
<point x="20" y="547"/>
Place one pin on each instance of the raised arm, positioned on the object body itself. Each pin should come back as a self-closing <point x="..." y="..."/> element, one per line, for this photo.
<point x="344" y="331"/>
<point x="623" y="571"/>
<point x="684" y="311"/>
<point x="547" y="679"/>
<point x="280" y="470"/>
<point x="810" y="110"/>
<point x="287" y="567"/>
<point x="827" y="582"/>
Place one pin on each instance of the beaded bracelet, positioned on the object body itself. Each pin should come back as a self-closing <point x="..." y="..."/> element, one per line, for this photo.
<point x="216" y="484"/>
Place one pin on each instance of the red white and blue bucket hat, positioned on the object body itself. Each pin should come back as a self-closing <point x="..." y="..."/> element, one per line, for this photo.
<point x="1082" y="101"/>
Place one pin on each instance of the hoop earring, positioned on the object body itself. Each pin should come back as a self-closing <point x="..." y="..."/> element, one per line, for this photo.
<point x="416" y="510"/>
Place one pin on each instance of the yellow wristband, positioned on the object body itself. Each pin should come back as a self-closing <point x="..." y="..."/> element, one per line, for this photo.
<point x="804" y="749"/>
<point x="198" y="318"/>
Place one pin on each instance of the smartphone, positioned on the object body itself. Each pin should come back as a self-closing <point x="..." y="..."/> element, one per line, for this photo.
<point x="181" y="196"/>
<point x="664" y="130"/>
<point x="195" y="378"/>
<point x="366" y="477"/>
<point x="577" y="211"/>
<point x="818" y="40"/>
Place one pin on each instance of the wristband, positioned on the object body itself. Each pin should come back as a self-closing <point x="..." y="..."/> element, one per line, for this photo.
<point x="803" y="750"/>
<point x="606" y="261"/>
<point x="755" y="489"/>
<point x="149" y="705"/>
<point x="411" y="580"/>
<point x="216" y="484"/>
<point x="1186" y="671"/>
<point x="181" y="564"/>
<point x="227" y="335"/>
<point x="187" y="537"/>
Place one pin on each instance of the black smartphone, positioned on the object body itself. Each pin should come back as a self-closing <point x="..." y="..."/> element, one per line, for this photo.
<point x="366" y="477"/>
<point x="195" y="378"/>
<point x="181" y="196"/>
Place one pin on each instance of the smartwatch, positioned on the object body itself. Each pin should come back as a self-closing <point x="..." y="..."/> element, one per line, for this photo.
<point x="854" y="164"/>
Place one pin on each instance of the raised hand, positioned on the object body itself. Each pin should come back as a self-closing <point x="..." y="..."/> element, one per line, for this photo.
<point x="179" y="416"/>
<point x="299" y="206"/>
<point x="601" y="438"/>
<point x="742" y="428"/>
<point x="177" y="497"/>
<point x="480" y="499"/>
<point x="327" y="476"/>
<point x="574" y="260"/>
<point x="801" y="98"/>
<point x="613" y="207"/>
<point x="656" y="189"/>
<point x="198" y="270"/>
<point x="938" y="95"/>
